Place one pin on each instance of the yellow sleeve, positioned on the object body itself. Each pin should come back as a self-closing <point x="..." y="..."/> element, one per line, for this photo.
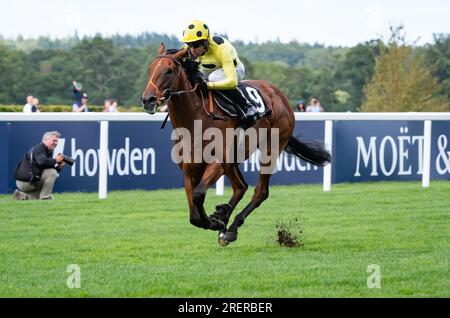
<point x="229" y="70"/>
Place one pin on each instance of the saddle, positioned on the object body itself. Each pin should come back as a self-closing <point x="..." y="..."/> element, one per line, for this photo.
<point x="250" y="93"/>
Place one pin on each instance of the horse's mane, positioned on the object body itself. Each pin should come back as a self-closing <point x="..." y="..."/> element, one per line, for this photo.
<point x="189" y="65"/>
<point x="172" y="51"/>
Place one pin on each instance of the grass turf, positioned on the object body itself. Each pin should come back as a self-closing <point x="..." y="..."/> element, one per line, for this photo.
<point x="141" y="244"/>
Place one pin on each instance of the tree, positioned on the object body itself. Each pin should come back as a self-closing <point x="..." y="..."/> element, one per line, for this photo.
<point x="106" y="71"/>
<point x="355" y="72"/>
<point x="438" y="55"/>
<point x="16" y="80"/>
<point x="402" y="81"/>
<point x="142" y="58"/>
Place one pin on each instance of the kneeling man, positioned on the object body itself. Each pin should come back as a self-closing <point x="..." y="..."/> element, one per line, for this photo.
<point x="37" y="172"/>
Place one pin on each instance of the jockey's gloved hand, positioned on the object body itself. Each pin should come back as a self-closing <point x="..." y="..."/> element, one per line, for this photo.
<point x="202" y="86"/>
<point x="191" y="66"/>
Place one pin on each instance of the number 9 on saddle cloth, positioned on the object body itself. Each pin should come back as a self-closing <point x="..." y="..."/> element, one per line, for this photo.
<point x="245" y="102"/>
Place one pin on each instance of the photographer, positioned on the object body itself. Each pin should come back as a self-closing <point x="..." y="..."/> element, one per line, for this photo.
<point x="37" y="172"/>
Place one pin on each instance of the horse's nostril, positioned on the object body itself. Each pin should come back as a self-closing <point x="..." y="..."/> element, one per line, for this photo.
<point x="148" y="100"/>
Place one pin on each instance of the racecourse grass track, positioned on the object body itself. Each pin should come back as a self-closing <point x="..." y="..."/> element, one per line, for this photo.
<point x="141" y="244"/>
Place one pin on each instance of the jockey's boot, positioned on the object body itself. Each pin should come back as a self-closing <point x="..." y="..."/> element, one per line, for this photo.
<point x="244" y="109"/>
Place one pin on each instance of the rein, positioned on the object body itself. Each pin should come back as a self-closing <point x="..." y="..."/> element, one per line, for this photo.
<point x="160" y="96"/>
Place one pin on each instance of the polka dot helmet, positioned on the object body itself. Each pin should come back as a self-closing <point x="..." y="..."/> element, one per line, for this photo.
<point x="195" y="31"/>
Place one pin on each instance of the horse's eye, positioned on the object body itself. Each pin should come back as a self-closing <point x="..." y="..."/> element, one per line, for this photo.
<point x="169" y="71"/>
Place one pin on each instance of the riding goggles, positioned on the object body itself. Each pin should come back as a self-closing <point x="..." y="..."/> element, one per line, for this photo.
<point x="196" y="44"/>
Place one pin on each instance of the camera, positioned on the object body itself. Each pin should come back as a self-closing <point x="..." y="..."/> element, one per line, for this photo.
<point x="34" y="178"/>
<point x="70" y="161"/>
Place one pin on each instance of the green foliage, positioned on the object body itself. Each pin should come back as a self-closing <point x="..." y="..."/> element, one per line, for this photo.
<point x="129" y="41"/>
<point x="355" y="72"/>
<point x="438" y="56"/>
<point x="116" y="67"/>
<point x="291" y="54"/>
<point x="402" y="81"/>
<point x="11" y="108"/>
<point x="15" y="81"/>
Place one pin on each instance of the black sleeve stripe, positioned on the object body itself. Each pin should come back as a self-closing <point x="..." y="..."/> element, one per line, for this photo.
<point x="209" y="65"/>
<point x="219" y="40"/>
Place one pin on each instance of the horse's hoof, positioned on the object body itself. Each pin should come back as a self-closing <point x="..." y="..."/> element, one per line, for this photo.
<point x="226" y="238"/>
<point x="221" y="240"/>
<point x="216" y="225"/>
<point x="222" y="213"/>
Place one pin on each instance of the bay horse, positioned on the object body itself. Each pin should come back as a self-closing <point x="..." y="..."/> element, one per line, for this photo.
<point x="170" y="81"/>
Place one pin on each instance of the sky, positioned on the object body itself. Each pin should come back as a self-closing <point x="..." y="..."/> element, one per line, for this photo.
<point x="332" y="22"/>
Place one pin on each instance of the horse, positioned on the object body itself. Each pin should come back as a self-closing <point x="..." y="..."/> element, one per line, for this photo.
<point x="170" y="81"/>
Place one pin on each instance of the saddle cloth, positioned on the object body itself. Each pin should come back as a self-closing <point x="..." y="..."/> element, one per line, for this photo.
<point x="249" y="92"/>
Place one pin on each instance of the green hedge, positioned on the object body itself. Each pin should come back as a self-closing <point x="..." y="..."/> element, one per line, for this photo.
<point x="64" y="108"/>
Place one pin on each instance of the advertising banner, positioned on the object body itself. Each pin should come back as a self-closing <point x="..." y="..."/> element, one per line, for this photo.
<point x="290" y="169"/>
<point x="139" y="153"/>
<point x="377" y="150"/>
<point x="440" y="150"/>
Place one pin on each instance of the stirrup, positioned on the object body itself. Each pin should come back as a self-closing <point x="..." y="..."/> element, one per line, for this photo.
<point x="250" y="110"/>
<point x="247" y="122"/>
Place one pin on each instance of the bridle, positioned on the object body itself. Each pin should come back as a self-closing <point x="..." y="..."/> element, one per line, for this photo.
<point x="168" y="92"/>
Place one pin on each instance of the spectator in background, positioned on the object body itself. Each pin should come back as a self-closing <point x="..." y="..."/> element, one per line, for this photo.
<point x="35" y="106"/>
<point x="28" y="107"/>
<point x="315" y="106"/>
<point x="77" y="93"/>
<point x="83" y="107"/>
<point x="107" y="106"/>
<point x="114" y="106"/>
<point x="300" y="107"/>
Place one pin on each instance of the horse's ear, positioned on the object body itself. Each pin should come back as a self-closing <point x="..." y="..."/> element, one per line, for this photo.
<point x="161" y="49"/>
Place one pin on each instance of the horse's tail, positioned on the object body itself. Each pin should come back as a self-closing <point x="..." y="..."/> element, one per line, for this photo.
<point x="309" y="150"/>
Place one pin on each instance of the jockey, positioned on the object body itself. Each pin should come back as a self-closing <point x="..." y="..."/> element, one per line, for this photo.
<point x="219" y="66"/>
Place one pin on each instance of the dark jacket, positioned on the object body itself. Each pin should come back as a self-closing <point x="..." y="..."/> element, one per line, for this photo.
<point x="42" y="159"/>
<point x="77" y="95"/>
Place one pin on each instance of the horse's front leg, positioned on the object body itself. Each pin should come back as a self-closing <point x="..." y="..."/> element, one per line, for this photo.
<point x="239" y="186"/>
<point x="195" y="217"/>
<point x="212" y="173"/>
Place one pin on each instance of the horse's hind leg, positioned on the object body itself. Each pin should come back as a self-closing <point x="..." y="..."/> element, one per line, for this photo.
<point x="224" y="211"/>
<point x="261" y="193"/>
